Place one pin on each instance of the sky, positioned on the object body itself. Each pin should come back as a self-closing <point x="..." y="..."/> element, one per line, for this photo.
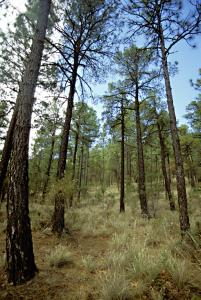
<point x="189" y="62"/>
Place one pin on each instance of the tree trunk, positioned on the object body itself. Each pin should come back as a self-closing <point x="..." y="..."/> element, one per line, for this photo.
<point x="66" y="127"/>
<point x="164" y="170"/>
<point x="58" y="217"/>
<point x="80" y="173"/>
<point x="87" y="167"/>
<point x="19" y="248"/>
<point x="128" y="164"/>
<point x="192" y="171"/>
<point x="140" y="157"/>
<point x="49" y="164"/>
<point x="122" y="205"/>
<point x="7" y="148"/>
<point x="59" y="213"/>
<point x="181" y="186"/>
<point x="75" y="154"/>
<point x="74" y="162"/>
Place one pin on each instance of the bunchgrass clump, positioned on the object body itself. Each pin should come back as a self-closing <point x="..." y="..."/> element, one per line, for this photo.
<point x="89" y="263"/>
<point x="183" y="272"/>
<point x="115" y="286"/>
<point x="59" y="257"/>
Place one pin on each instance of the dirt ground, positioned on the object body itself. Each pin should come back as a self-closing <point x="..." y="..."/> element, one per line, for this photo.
<point x="68" y="282"/>
<point x="73" y="281"/>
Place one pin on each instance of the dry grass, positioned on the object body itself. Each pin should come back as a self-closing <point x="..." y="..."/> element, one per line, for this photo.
<point x="89" y="263"/>
<point x="120" y="256"/>
<point x="59" y="257"/>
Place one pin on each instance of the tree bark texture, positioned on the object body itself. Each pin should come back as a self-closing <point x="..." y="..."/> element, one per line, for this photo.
<point x="181" y="186"/>
<point x="7" y="148"/>
<point x="58" y="217"/>
<point x="140" y="158"/>
<point x="19" y="248"/>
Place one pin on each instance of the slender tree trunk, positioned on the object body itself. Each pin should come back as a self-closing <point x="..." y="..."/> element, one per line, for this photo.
<point x="74" y="162"/>
<point x="168" y="168"/>
<point x="122" y="204"/>
<point x="87" y="166"/>
<point x="164" y="170"/>
<point x="140" y="157"/>
<point x="80" y="173"/>
<point x="66" y="127"/>
<point x="192" y="171"/>
<point x="128" y="154"/>
<point x="19" y="248"/>
<point x="58" y="216"/>
<point x="75" y="154"/>
<point x="181" y="186"/>
<point x="49" y="164"/>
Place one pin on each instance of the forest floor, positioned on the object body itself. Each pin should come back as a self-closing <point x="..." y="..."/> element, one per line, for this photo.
<point x="107" y="255"/>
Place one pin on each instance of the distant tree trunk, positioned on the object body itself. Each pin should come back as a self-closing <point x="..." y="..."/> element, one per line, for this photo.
<point x="87" y="166"/>
<point x="7" y="148"/>
<point x="58" y="221"/>
<point x="74" y="162"/>
<point x="59" y="203"/>
<point x="192" y="176"/>
<point x="164" y="170"/>
<point x="128" y="165"/>
<point x="191" y="170"/>
<point x="19" y="248"/>
<point x="140" y="157"/>
<point x="80" y="173"/>
<point x="168" y="168"/>
<point x="75" y="154"/>
<point x="181" y="186"/>
<point x="49" y="164"/>
<point x="122" y="205"/>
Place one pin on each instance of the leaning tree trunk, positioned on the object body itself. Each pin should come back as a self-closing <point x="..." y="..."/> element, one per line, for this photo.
<point x="122" y="205"/>
<point x="58" y="216"/>
<point x="181" y="186"/>
<point x="164" y="170"/>
<point x="19" y="248"/>
<point x="7" y="148"/>
<point x="140" y="158"/>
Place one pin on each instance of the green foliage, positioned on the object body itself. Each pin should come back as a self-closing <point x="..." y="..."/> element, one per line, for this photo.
<point x="193" y="115"/>
<point x="64" y="186"/>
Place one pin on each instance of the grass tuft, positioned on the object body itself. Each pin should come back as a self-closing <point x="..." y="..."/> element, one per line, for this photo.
<point x="115" y="286"/>
<point x="89" y="263"/>
<point x="59" y="257"/>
